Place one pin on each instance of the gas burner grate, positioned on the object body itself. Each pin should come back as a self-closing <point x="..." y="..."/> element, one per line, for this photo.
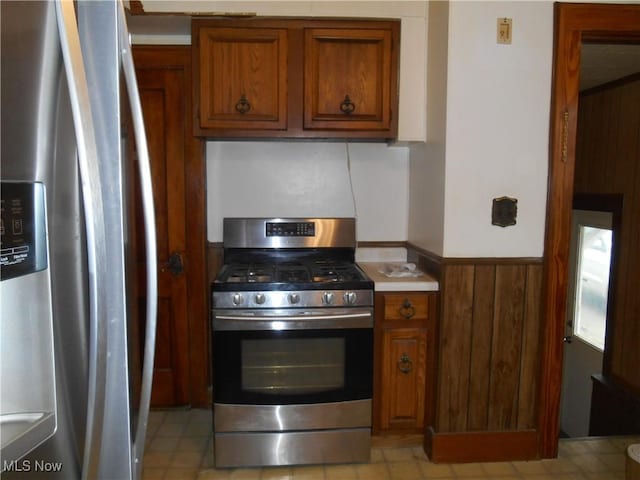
<point x="292" y="273"/>
<point x="325" y="271"/>
<point x="252" y="273"/>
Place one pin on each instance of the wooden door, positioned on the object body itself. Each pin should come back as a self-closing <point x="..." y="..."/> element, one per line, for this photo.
<point x="574" y="24"/>
<point x="350" y="78"/>
<point x="162" y="98"/>
<point x="163" y="80"/>
<point x="242" y="78"/>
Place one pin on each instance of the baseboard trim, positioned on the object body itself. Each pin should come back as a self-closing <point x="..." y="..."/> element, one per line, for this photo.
<point x="397" y="440"/>
<point x="468" y="447"/>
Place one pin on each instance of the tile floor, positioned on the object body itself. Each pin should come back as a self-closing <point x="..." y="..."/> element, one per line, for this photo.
<point x="179" y="448"/>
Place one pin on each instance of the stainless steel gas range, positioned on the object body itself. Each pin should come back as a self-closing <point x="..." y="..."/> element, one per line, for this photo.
<point x="292" y="344"/>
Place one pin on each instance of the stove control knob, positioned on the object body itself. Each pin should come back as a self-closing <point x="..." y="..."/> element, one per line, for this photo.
<point x="260" y="298"/>
<point x="237" y="299"/>
<point x="328" y="297"/>
<point x="294" y="298"/>
<point x="350" y="298"/>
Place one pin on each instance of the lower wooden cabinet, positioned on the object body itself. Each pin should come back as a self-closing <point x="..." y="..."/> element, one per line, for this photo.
<point x="403" y="377"/>
<point x="404" y="362"/>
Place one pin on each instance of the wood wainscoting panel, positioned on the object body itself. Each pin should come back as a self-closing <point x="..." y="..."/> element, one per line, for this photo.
<point x="488" y="346"/>
<point x="481" y="335"/>
<point x="506" y="351"/>
<point x="454" y="363"/>
<point x="531" y="349"/>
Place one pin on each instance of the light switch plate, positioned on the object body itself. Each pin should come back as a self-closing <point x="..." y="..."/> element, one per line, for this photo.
<point x="504" y="30"/>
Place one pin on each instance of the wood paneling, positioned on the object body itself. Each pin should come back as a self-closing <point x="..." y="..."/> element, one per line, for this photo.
<point x="608" y="162"/>
<point x="531" y="347"/>
<point x="487" y="359"/>
<point x="481" y="335"/>
<point x="506" y="351"/>
<point x="488" y="347"/>
<point x="454" y="356"/>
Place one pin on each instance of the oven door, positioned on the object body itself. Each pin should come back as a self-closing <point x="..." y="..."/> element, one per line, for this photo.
<point x="292" y="357"/>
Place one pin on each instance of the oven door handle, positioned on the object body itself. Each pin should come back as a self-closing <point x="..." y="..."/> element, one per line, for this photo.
<point x="228" y="322"/>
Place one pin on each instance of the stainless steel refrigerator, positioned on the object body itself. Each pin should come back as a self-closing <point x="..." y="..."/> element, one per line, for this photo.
<point x="75" y="376"/>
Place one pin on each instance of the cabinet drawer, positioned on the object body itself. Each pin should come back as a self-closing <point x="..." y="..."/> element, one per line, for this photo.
<point x="406" y="306"/>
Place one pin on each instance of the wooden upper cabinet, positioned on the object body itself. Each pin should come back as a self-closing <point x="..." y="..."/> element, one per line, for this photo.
<point x="243" y="78"/>
<point x="296" y="78"/>
<point x="349" y="80"/>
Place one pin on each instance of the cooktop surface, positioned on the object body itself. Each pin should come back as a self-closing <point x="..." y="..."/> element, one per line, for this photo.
<point x="292" y="275"/>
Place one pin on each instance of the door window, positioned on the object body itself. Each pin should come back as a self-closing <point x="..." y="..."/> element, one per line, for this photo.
<point x="589" y="281"/>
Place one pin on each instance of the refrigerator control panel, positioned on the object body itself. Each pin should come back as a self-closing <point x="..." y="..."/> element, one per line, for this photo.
<point x="23" y="229"/>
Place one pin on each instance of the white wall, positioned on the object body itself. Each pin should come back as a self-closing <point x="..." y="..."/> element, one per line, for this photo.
<point x="496" y="131"/>
<point x="497" y="127"/>
<point x="310" y="179"/>
<point x="427" y="162"/>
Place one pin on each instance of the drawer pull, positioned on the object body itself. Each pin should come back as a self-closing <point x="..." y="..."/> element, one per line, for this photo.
<point x="243" y="105"/>
<point x="407" y="310"/>
<point x="405" y="365"/>
<point x="347" y="106"/>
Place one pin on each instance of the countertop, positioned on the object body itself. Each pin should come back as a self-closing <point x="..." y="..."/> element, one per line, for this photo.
<point x="383" y="283"/>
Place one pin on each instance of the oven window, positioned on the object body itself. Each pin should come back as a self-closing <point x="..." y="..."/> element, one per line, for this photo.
<point x="295" y="366"/>
<point x="292" y="366"/>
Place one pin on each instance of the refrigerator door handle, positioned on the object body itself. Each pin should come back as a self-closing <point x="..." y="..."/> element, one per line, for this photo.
<point x="150" y="241"/>
<point x="95" y="230"/>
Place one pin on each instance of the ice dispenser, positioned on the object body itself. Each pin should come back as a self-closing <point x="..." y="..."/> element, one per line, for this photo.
<point x="27" y="368"/>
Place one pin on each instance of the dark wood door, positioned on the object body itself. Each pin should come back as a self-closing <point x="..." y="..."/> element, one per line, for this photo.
<point x="181" y="367"/>
<point x="161" y="97"/>
<point x="574" y="24"/>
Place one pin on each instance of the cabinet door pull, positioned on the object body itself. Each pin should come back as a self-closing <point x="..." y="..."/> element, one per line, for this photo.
<point x="243" y="105"/>
<point x="347" y="106"/>
<point x="405" y="365"/>
<point x="407" y="310"/>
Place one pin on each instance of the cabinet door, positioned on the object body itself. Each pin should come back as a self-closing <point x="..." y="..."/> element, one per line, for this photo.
<point x="404" y="357"/>
<point x="243" y="78"/>
<point x="350" y="79"/>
